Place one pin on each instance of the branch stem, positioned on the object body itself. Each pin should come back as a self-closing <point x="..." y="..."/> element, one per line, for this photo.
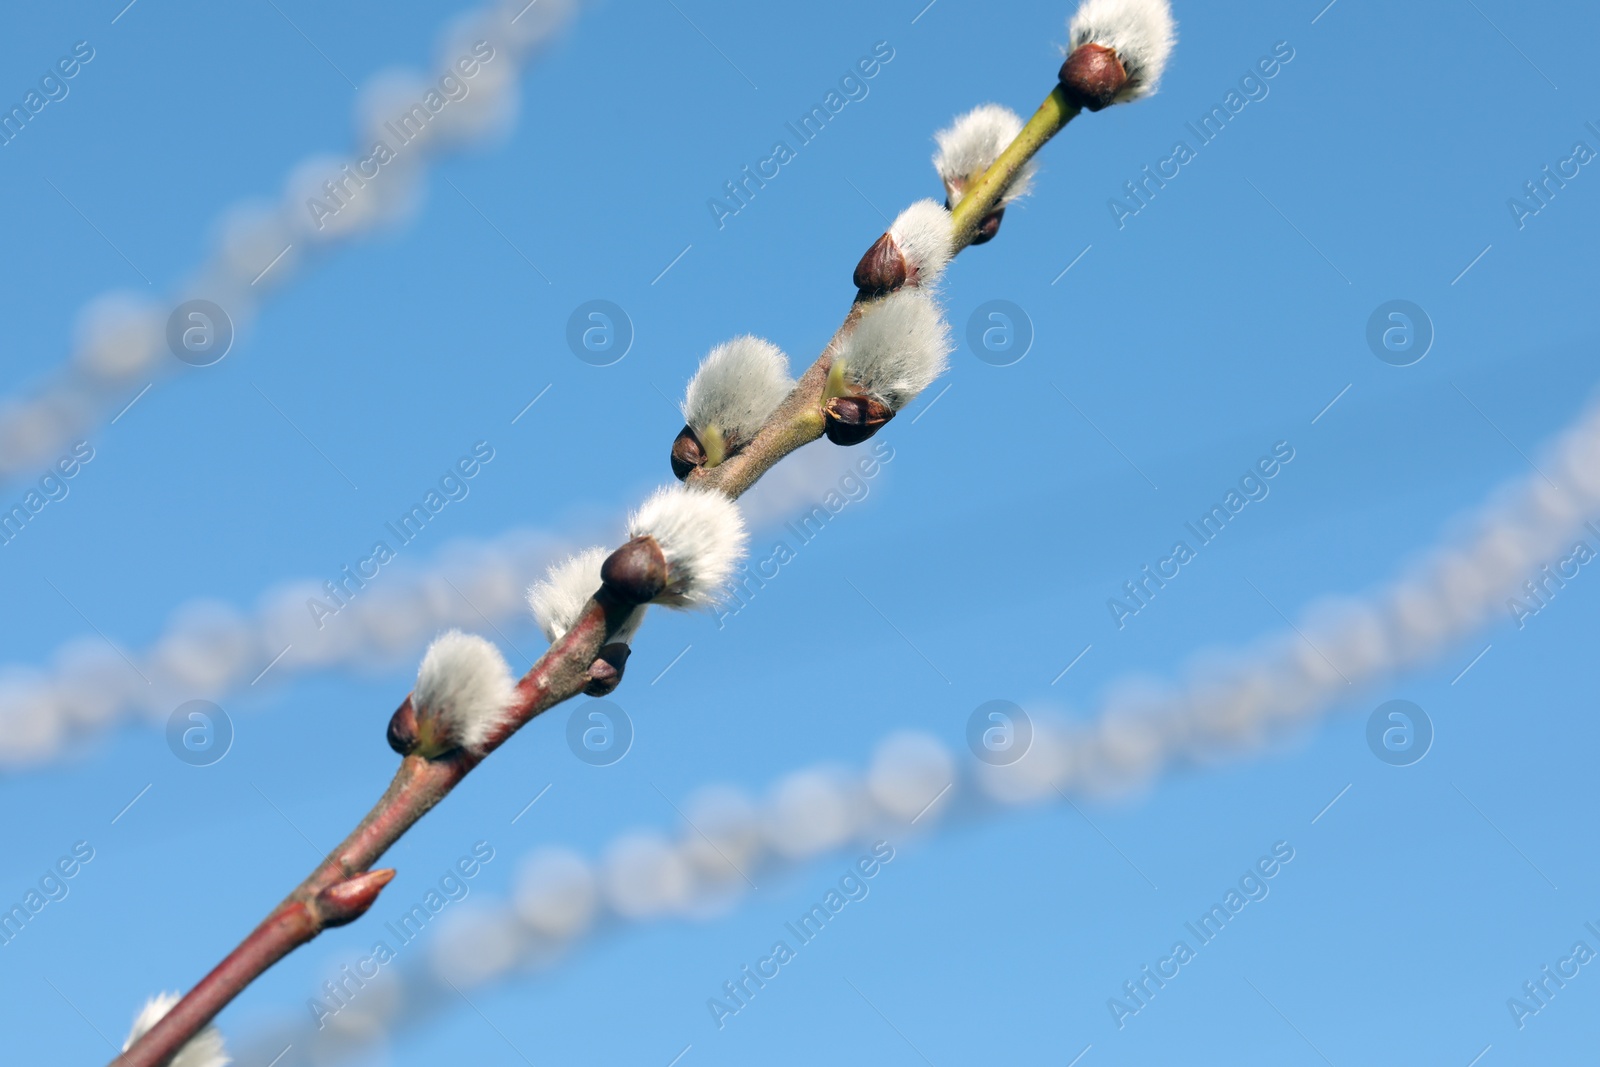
<point x="561" y="673"/>
<point x="418" y="785"/>
<point x="799" y="420"/>
<point x="983" y="195"/>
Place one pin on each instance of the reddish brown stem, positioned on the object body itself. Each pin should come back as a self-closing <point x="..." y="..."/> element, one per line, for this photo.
<point x="343" y="887"/>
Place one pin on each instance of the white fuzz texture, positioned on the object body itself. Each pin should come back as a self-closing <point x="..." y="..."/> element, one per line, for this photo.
<point x="968" y="146"/>
<point x="925" y="237"/>
<point x="737" y="386"/>
<point x="898" y="348"/>
<point x="204" y="1049"/>
<point x="559" y="599"/>
<point x="1140" y="32"/>
<point x="466" y="683"/>
<point x="702" y="536"/>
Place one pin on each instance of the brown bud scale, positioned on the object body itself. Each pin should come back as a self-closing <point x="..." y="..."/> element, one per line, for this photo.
<point x="849" y="420"/>
<point x="605" y="673"/>
<point x="686" y="453"/>
<point x="403" y="729"/>
<point x="1092" y="77"/>
<point x="988" y="226"/>
<point x="882" y="269"/>
<point x="636" y="573"/>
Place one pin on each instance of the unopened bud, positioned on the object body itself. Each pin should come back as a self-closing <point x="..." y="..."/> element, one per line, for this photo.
<point x="1092" y="76"/>
<point x="882" y="269"/>
<point x="425" y="735"/>
<point x="605" y="673"/>
<point x="347" y="901"/>
<point x="636" y="573"/>
<point x="988" y="226"/>
<point x="849" y="420"/>
<point x="686" y="453"/>
<point x="403" y="729"/>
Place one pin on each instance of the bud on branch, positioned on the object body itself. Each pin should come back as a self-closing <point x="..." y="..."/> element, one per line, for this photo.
<point x="899" y="346"/>
<point x="1119" y="50"/>
<point x="737" y="388"/>
<point x="558" y="602"/>
<point x="915" y="251"/>
<point x="968" y="148"/>
<point x="347" y="901"/>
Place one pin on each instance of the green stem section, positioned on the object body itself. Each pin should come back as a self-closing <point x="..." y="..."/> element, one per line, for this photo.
<point x="798" y="420"/>
<point x="983" y="195"/>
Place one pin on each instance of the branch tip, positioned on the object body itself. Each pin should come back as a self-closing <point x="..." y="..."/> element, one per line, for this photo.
<point x="1093" y="77"/>
<point x="1119" y="51"/>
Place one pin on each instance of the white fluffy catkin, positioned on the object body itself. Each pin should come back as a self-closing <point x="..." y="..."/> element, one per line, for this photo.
<point x="898" y="348"/>
<point x="1140" y="32"/>
<point x="926" y="239"/>
<point x="737" y="386"/>
<point x="204" y="1049"/>
<point x="559" y="599"/>
<point x="702" y="536"/>
<point x="467" y="684"/>
<point x="969" y="145"/>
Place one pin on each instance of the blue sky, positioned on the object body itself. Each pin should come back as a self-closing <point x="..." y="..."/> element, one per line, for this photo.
<point x="1217" y="321"/>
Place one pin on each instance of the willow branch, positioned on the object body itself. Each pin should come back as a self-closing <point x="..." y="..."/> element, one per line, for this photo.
<point x="344" y="886"/>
